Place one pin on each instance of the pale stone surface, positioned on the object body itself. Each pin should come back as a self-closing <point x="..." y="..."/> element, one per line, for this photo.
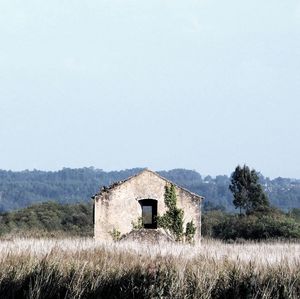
<point x="149" y="236"/>
<point x="118" y="206"/>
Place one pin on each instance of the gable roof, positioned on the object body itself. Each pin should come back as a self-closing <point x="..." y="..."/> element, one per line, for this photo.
<point x="116" y="184"/>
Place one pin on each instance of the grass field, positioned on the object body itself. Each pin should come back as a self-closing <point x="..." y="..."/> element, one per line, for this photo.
<point x="84" y="268"/>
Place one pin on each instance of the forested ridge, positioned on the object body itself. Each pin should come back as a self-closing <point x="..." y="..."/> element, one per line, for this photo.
<point x="24" y="188"/>
<point x="257" y="217"/>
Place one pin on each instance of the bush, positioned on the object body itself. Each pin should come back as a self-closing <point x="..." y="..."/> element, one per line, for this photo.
<point x="257" y="227"/>
<point x="76" y="219"/>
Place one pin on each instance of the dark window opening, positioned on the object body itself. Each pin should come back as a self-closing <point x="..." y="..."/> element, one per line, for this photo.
<point x="149" y="212"/>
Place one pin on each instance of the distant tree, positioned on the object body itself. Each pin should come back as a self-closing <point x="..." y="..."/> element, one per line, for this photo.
<point x="209" y="206"/>
<point x="295" y="213"/>
<point x="247" y="191"/>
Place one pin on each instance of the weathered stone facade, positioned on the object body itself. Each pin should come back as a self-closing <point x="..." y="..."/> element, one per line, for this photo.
<point x="121" y="204"/>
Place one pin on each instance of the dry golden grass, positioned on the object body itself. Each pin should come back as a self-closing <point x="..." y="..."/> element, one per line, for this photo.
<point x="84" y="268"/>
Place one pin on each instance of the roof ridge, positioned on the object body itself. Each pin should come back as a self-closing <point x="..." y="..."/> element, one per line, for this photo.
<point x="178" y="186"/>
<point x="118" y="183"/>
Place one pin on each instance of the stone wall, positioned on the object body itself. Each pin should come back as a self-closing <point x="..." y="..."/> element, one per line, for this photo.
<point x="118" y="206"/>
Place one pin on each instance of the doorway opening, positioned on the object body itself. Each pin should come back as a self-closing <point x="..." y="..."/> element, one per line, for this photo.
<point x="149" y="212"/>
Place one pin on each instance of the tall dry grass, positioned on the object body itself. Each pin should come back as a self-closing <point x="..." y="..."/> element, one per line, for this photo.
<point x="84" y="268"/>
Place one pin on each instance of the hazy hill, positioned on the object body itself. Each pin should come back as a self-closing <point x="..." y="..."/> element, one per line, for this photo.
<point x="21" y="189"/>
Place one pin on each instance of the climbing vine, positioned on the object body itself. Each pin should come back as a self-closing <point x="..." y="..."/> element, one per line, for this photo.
<point x="190" y="231"/>
<point x="172" y="220"/>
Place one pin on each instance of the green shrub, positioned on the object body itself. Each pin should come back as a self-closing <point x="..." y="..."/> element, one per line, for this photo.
<point x="190" y="231"/>
<point x="257" y="227"/>
<point x="49" y="217"/>
<point x="115" y="234"/>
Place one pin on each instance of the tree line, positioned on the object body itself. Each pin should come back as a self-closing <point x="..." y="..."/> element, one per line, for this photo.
<point x="49" y="219"/>
<point x="257" y="218"/>
<point x="66" y="186"/>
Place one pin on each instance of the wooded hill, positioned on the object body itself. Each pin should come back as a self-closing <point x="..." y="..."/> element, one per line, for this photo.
<point x="22" y="189"/>
<point x="51" y="219"/>
<point x="48" y="219"/>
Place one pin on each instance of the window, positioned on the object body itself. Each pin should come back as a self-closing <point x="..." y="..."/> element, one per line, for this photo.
<point x="149" y="212"/>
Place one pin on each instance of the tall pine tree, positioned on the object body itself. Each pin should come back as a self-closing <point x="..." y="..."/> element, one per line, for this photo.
<point x="247" y="191"/>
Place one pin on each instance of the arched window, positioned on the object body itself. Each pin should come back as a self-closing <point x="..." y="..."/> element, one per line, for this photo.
<point x="149" y="212"/>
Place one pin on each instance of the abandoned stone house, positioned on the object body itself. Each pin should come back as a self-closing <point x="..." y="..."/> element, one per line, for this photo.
<point x="123" y="203"/>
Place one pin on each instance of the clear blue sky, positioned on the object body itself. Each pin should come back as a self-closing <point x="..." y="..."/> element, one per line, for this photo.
<point x="115" y="84"/>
